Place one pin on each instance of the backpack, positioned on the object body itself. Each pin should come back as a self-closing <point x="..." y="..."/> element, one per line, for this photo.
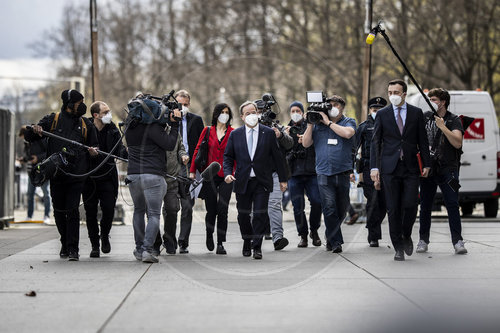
<point x="56" y="119"/>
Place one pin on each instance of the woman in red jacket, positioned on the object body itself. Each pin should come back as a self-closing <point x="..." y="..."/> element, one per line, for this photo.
<point x="216" y="193"/>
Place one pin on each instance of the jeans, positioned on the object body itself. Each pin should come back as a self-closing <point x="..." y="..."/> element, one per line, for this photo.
<point x="428" y="187"/>
<point x="147" y="191"/>
<point x="300" y="185"/>
<point x="334" y="193"/>
<point x="31" y="198"/>
<point x="274" y="212"/>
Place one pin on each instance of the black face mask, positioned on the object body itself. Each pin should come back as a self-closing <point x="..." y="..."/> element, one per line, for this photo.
<point x="80" y="110"/>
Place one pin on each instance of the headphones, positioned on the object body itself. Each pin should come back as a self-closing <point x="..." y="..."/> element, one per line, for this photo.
<point x="70" y="104"/>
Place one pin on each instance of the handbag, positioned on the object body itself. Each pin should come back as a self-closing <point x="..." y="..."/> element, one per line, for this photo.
<point x="202" y="156"/>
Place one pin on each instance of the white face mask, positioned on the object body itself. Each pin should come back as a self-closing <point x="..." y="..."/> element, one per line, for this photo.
<point x="296" y="117"/>
<point x="184" y="110"/>
<point x="373" y="114"/>
<point x="107" y="118"/>
<point x="435" y="106"/>
<point x="223" y="118"/>
<point x="251" y="120"/>
<point x="334" y="112"/>
<point x="395" y="99"/>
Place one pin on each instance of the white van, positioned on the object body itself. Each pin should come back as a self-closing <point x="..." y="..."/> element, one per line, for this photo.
<point x="480" y="162"/>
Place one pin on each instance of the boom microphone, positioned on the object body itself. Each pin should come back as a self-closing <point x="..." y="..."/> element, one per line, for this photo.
<point x="373" y="33"/>
<point x="209" y="173"/>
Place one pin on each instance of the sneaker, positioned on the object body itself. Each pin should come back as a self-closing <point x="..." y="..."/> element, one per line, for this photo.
<point x="27" y="218"/>
<point x="422" y="247"/>
<point x="46" y="220"/>
<point x="137" y="254"/>
<point x="95" y="253"/>
<point x="460" y="247"/>
<point x="149" y="257"/>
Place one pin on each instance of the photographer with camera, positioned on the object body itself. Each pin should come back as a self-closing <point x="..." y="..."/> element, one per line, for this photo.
<point x="445" y="135"/>
<point x="302" y="164"/>
<point x="375" y="201"/>
<point x="147" y="166"/>
<point x="274" y="218"/>
<point x="101" y="188"/>
<point x="332" y="136"/>
<point x="35" y="152"/>
<point x="66" y="189"/>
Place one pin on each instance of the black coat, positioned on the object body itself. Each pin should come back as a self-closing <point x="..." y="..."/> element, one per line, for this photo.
<point x="267" y="154"/>
<point x="68" y="127"/>
<point x="194" y="129"/>
<point x="388" y="141"/>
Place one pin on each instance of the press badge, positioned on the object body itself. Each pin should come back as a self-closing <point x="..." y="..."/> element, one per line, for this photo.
<point x="333" y="142"/>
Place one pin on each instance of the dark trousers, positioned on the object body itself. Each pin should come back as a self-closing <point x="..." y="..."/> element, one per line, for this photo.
<point x="428" y="187"/>
<point x="99" y="191"/>
<point x="255" y="200"/>
<point x="334" y="193"/>
<point x="308" y="185"/>
<point x="375" y="208"/>
<point x="217" y="194"/>
<point x="171" y="205"/>
<point x="401" y="196"/>
<point x="65" y="202"/>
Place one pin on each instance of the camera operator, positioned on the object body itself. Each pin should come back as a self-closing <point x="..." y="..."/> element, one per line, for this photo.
<point x="35" y="152"/>
<point x="65" y="189"/>
<point x="375" y="201"/>
<point x="102" y="186"/>
<point x="333" y="143"/>
<point x="302" y="163"/>
<point x="147" y="166"/>
<point x="445" y="135"/>
<point x="274" y="218"/>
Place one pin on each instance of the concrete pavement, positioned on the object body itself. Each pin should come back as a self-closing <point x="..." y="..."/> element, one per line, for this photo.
<point x="360" y="290"/>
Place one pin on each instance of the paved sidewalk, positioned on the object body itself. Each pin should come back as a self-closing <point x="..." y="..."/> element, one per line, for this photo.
<point x="295" y="290"/>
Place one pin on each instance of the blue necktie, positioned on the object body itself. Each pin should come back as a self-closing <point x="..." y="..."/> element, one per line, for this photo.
<point x="250" y="143"/>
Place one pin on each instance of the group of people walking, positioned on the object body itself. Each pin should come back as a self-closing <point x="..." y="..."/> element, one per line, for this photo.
<point x="258" y="163"/>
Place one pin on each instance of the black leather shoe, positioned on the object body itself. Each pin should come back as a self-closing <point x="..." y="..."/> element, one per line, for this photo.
<point x="105" y="245"/>
<point x="337" y="249"/>
<point x="73" y="256"/>
<point x="257" y="254"/>
<point x="315" y="237"/>
<point x="280" y="244"/>
<point x="399" y="256"/>
<point x="408" y="246"/>
<point x="210" y="243"/>
<point x="374" y="243"/>
<point x="95" y="253"/>
<point x="303" y="241"/>
<point x="247" y="248"/>
<point x="220" y="249"/>
<point x="63" y="254"/>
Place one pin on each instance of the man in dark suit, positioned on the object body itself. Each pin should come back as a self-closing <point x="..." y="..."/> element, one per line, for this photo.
<point x="254" y="149"/>
<point x="399" y="134"/>
<point x="190" y="129"/>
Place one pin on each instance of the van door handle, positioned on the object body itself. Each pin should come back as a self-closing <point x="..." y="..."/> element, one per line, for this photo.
<point x="465" y="163"/>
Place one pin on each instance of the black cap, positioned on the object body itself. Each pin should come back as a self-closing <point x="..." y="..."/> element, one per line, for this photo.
<point x="377" y="102"/>
<point x="71" y="96"/>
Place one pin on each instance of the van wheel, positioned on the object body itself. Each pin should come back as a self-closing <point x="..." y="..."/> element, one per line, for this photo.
<point x="491" y="208"/>
<point x="467" y="208"/>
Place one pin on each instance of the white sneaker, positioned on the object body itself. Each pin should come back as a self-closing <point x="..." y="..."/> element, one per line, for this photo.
<point x="422" y="247"/>
<point x="460" y="247"/>
<point x="148" y="257"/>
<point x="46" y="220"/>
<point x="27" y="218"/>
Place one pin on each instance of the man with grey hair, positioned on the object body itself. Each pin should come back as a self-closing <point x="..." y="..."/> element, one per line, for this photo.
<point x="252" y="147"/>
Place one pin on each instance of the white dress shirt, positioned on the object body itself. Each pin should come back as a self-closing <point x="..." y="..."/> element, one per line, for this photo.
<point x="255" y="138"/>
